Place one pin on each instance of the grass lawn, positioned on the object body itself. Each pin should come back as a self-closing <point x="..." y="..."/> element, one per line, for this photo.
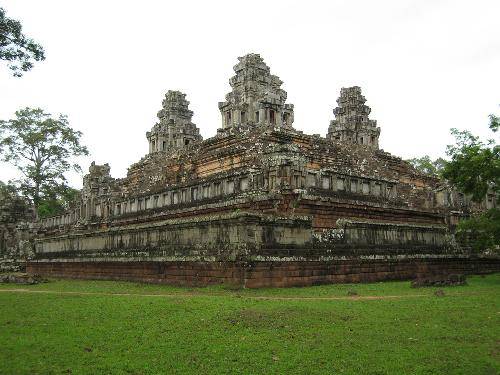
<point x="100" y="327"/>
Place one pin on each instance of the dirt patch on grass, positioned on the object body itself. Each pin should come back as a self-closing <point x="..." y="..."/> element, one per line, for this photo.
<point x="194" y="294"/>
<point x="495" y="352"/>
<point x="261" y="319"/>
<point x="282" y="318"/>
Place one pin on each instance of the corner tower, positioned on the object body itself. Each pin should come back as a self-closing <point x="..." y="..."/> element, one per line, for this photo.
<point x="256" y="97"/>
<point x="352" y="123"/>
<point x="175" y="130"/>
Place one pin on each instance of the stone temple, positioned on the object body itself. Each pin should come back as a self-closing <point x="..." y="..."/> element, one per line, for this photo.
<point x="260" y="203"/>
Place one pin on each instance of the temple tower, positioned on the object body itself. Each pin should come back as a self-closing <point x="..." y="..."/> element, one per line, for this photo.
<point x="256" y="97"/>
<point x="96" y="192"/>
<point x="352" y="123"/>
<point x="175" y="129"/>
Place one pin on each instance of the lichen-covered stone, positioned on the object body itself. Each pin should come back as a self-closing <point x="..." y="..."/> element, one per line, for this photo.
<point x="175" y="131"/>
<point x="256" y="97"/>
<point x="259" y="192"/>
<point x="17" y="229"/>
<point x="352" y="124"/>
<point x="440" y="280"/>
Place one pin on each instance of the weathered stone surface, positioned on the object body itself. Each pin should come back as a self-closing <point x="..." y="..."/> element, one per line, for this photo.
<point x="175" y="131"/>
<point x="16" y="231"/>
<point x="352" y="124"/>
<point x="244" y="235"/>
<point x="258" y="199"/>
<point x="266" y="273"/>
<point x="440" y="280"/>
<point x="21" y="278"/>
<point x="256" y="97"/>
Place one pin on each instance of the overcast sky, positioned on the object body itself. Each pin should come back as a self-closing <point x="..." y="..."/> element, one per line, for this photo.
<point x="423" y="66"/>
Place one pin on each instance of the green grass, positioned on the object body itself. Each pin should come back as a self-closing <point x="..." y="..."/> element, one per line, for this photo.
<point x="217" y="330"/>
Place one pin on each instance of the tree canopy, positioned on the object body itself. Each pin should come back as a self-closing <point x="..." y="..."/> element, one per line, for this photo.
<point x="17" y="49"/>
<point x="11" y="202"/>
<point x="42" y="148"/>
<point x="481" y="231"/>
<point x="474" y="167"/>
<point x="475" y="170"/>
<point x="428" y="166"/>
<point x="494" y="123"/>
<point x="57" y="200"/>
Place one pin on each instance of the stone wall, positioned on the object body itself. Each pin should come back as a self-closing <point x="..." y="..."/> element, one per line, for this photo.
<point x="16" y="231"/>
<point x="254" y="250"/>
<point x="215" y="237"/>
<point x="257" y="274"/>
<point x="244" y="236"/>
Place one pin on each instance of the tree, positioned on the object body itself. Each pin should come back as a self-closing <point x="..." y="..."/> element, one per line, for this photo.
<point x="494" y="123"/>
<point x="18" y="50"/>
<point x="428" y="166"/>
<point x="57" y="200"/>
<point x="11" y="202"/>
<point x="41" y="147"/>
<point x="475" y="170"/>
<point x="481" y="231"/>
<point x="7" y="189"/>
<point x="475" y="165"/>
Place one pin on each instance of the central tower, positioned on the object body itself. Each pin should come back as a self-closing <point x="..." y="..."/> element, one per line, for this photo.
<point x="256" y="97"/>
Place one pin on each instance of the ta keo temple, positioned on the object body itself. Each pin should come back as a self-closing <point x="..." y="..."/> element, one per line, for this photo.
<point x="260" y="203"/>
